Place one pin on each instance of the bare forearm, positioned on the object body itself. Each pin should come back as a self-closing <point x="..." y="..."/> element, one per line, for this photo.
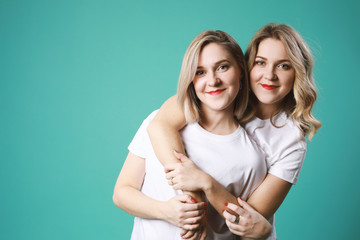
<point x="268" y="197"/>
<point x="165" y="137"/>
<point x="218" y="195"/>
<point x="137" y="204"/>
<point x="165" y="140"/>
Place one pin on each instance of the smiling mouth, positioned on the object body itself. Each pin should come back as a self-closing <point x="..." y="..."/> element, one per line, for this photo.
<point x="269" y="87"/>
<point x="216" y="92"/>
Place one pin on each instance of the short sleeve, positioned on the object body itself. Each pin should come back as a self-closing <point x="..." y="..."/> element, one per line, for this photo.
<point x="139" y="142"/>
<point x="283" y="144"/>
<point x="288" y="167"/>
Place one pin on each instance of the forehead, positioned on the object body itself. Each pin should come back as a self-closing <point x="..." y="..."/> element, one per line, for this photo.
<point x="272" y="49"/>
<point x="212" y="53"/>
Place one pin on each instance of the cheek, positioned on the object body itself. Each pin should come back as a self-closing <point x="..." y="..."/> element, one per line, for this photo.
<point x="289" y="81"/>
<point x="254" y="76"/>
<point x="198" y="85"/>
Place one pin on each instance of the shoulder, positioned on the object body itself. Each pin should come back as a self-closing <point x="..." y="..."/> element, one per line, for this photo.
<point x="150" y="117"/>
<point x="277" y="136"/>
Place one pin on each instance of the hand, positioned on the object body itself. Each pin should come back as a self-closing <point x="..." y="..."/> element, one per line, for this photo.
<point x="186" y="175"/>
<point x="182" y="211"/>
<point x="251" y="223"/>
<point x="199" y="234"/>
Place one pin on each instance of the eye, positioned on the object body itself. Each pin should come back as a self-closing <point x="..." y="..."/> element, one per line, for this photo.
<point x="222" y="68"/>
<point x="284" y="66"/>
<point x="260" y="63"/>
<point x="199" y="72"/>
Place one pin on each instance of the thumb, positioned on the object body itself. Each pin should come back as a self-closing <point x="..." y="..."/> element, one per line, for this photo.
<point x="245" y="205"/>
<point x="170" y="167"/>
<point x="179" y="156"/>
<point x="186" y="199"/>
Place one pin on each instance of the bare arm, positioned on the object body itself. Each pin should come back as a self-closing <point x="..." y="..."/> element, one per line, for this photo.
<point x="164" y="135"/>
<point x="265" y="200"/>
<point x="164" y="131"/>
<point x="268" y="197"/>
<point x="179" y="210"/>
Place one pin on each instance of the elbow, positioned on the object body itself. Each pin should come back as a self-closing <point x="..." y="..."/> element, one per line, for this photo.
<point x="150" y="128"/>
<point x="267" y="229"/>
<point x="117" y="198"/>
<point x="154" y="127"/>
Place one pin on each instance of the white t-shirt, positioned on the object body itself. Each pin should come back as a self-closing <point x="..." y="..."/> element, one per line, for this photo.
<point x="284" y="145"/>
<point x="233" y="160"/>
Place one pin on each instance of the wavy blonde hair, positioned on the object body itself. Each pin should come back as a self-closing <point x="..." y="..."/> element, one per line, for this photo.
<point x="187" y="99"/>
<point x="299" y="102"/>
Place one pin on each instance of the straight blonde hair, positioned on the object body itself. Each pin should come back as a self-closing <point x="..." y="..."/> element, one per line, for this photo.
<point x="187" y="99"/>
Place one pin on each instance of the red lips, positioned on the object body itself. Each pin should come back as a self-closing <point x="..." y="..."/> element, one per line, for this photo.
<point x="269" y="87"/>
<point x="216" y="92"/>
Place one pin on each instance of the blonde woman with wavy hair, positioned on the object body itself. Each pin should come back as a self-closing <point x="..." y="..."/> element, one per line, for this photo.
<point x="299" y="102"/>
<point x="278" y="117"/>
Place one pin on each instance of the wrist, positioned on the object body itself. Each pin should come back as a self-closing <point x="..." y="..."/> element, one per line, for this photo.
<point x="208" y="183"/>
<point x="161" y="211"/>
<point x="266" y="230"/>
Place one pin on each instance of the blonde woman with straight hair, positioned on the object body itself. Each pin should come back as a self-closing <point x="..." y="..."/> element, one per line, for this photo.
<point x="213" y="91"/>
<point x="278" y="117"/>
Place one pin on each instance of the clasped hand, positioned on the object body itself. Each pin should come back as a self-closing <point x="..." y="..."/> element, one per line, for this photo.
<point x="185" y="175"/>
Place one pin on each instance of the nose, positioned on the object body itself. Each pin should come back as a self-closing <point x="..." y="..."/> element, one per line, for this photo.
<point x="213" y="80"/>
<point x="270" y="73"/>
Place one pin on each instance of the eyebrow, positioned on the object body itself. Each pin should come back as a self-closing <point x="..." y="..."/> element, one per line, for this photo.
<point x="218" y="62"/>
<point x="280" y="60"/>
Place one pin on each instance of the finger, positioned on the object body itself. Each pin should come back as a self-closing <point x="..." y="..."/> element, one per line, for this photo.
<point x="193" y="220"/>
<point x="194" y="214"/>
<point x="203" y="235"/>
<point x="177" y="154"/>
<point x="237" y="209"/>
<point x="170" y="166"/>
<point x="170" y="175"/>
<point x="181" y="156"/>
<point x="191" y="227"/>
<point x="184" y="198"/>
<point x="245" y="205"/>
<point x="235" y="228"/>
<point x="228" y="216"/>
<point x="188" y="234"/>
<point x="195" y="236"/>
<point x="194" y="207"/>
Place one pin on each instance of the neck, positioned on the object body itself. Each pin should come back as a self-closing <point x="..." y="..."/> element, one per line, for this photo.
<point x="218" y="122"/>
<point x="265" y="111"/>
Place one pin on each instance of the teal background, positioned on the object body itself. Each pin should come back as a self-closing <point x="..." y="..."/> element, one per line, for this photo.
<point x="78" y="77"/>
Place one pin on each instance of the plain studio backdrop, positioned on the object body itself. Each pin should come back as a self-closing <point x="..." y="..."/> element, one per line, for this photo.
<point x="78" y="77"/>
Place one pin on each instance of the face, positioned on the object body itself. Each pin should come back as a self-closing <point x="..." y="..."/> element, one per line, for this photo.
<point x="217" y="79"/>
<point x="272" y="76"/>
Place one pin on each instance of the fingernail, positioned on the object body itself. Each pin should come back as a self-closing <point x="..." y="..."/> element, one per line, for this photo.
<point x="223" y="210"/>
<point x="176" y="151"/>
<point x="240" y="198"/>
<point x="205" y="206"/>
<point x="226" y="204"/>
<point x="192" y="200"/>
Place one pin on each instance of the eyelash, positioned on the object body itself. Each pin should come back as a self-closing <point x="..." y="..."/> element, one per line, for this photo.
<point x="281" y="66"/>
<point x="284" y="66"/>
<point x="221" y="67"/>
<point x="259" y="63"/>
<point x="224" y="66"/>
